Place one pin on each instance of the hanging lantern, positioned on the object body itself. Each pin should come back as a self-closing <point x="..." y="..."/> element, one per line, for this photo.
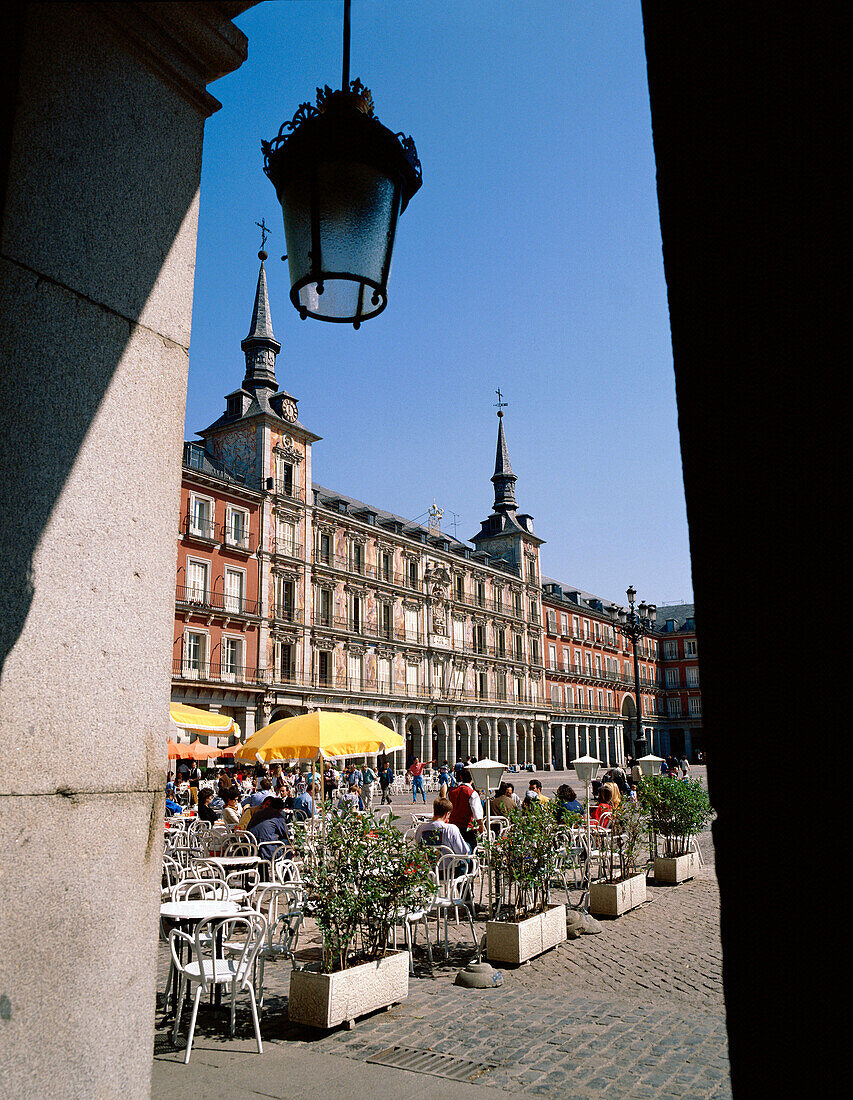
<point x="342" y="179"/>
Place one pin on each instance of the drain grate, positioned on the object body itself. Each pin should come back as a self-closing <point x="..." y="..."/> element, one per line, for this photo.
<point x="433" y="1063"/>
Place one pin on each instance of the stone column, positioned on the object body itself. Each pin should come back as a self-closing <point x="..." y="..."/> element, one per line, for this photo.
<point x="106" y="107"/>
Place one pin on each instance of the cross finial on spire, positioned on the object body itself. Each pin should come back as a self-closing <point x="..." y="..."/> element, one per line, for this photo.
<point x="500" y="404"/>
<point x="265" y="232"/>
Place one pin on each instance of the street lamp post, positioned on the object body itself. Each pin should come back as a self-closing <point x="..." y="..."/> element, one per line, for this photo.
<point x="635" y="624"/>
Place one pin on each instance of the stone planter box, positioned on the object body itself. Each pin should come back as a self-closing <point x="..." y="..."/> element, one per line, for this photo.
<point x="675" y="869"/>
<point x="326" y="1000"/>
<point x="518" y="941"/>
<point x="612" y="899"/>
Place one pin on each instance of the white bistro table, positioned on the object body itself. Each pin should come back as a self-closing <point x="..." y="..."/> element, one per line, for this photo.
<point x="188" y="914"/>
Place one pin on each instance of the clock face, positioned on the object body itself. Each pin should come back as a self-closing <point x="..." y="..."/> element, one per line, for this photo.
<point x="288" y="409"/>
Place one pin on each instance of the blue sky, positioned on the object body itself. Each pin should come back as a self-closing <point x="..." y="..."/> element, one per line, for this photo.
<point x="530" y="260"/>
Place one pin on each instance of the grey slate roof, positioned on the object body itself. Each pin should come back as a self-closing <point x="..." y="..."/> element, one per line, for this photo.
<point x="197" y="458"/>
<point x="678" y="611"/>
<point x="409" y="527"/>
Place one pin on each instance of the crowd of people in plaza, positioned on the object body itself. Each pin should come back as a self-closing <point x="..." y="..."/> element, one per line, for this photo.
<point x="262" y="800"/>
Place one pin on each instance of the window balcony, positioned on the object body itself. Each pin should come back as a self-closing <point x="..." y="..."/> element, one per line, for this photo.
<point x="285" y="548"/>
<point x="199" y="530"/>
<point x="216" y="672"/>
<point x="289" y="490"/>
<point x="286" y="613"/>
<point x="239" y="541"/>
<point x="214" y="603"/>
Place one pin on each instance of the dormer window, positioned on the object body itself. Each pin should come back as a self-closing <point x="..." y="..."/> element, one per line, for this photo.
<point x="234" y="406"/>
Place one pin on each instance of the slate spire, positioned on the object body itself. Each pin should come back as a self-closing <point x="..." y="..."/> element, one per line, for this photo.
<point x="260" y="346"/>
<point x="503" y="478"/>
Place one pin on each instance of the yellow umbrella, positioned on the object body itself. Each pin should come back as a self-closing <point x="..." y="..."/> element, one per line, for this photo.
<point x="325" y="733"/>
<point x="203" y="722"/>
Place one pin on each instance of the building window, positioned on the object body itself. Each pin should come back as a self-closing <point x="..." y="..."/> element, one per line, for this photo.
<point x="232" y="658"/>
<point x="480" y="594"/>
<point x="285" y="478"/>
<point x="285" y="665"/>
<point x="412" y="684"/>
<point x="237" y="527"/>
<point x="673" y="707"/>
<point x="671" y="650"/>
<point x="482" y="685"/>
<point x="384" y="674"/>
<point x="694" y="704"/>
<point x="356" y="558"/>
<point x="460" y="589"/>
<point x="534" y="650"/>
<point x="586" y="628"/>
<point x="500" y="684"/>
<point x="286" y="538"/>
<point x="355" y="668"/>
<point x="387" y="570"/>
<point x="356" y="615"/>
<point x="552" y="621"/>
<point x="552" y="656"/>
<point x="519" y="648"/>
<point x="235" y="580"/>
<point x="516" y="604"/>
<point x="499" y="599"/>
<point x="325" y="549"/>
<point x="564" y="623"/>
<point x="413" y="574"/>
<point x="576" y="626"/>
<point x="672" y="677"/>
<point x="386" y="620"/>
<point x="284" y="599"/>
<point x="534" y="611"/>
<point x="198" y="579"/>
<point x="500" y="642"/>
<point x="555" y="695"/>
<point x="195" y="655"/>
<point x="689" y="648"/>
<point x="324" y="664"/>
<point x="411" y="624"/>
<point x="458" y="634"/>
<point x="201" y="517"/>
<point x="323" y="606"/>
<point x="692" y="675"/>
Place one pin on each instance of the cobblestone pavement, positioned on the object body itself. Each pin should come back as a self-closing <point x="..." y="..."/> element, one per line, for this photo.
<point x="636" y="1011"/>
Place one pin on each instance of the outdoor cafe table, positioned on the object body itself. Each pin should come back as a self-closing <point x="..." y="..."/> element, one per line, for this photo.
<point x="187" y="914"/>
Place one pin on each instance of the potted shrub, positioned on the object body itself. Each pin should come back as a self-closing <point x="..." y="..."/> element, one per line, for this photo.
<point x="678" y="809"/>
<point x="360" y="875"/>
<point x="524" y="859"/>
<point x="622" y="881"/>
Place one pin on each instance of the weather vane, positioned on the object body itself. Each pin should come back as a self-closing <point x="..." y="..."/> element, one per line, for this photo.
<point x="500" y="403"/>
<point x="264" y="234"/>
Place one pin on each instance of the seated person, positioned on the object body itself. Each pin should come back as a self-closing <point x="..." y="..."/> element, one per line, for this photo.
<point x="504" y="801"/>
<point x="172" y="807"/>
<point x="603" y="810"/>
<point x="269" y="827"/>
<point x="258" y="797"/>
<point x="533" y="792"/>
<point x="303" y="803"/>
<point x="231" y="809"/>
<point x="439" y="832"/>
<point x="567" y="802"/>
<point x="351" y="799"/>
<point x="205" y="810"/>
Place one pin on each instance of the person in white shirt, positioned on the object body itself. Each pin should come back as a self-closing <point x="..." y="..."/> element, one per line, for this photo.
<point x="439" y="833"/>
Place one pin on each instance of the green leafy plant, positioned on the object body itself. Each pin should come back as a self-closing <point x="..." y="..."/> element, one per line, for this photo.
<point x="357" y="877"/>
<point x="678" y="809"/>
<point x="620" y="848"/>
<point x="525" y="857"/>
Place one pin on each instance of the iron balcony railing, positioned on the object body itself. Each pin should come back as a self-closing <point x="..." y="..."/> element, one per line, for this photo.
<point x="220" y="603"/>
<point x="203" y="530"/>
<point x="287" y="489"/>
<point x="219" y="672"/>
<point x="285" y="548"/>
<point x="236" y="539"/>
<point x="286" y="613"/>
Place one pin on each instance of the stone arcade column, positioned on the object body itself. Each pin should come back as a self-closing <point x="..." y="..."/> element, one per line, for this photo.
<point x="97" y="266"/>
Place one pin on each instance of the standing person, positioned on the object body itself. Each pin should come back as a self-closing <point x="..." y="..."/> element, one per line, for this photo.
<point x="195" y="779"/>
<point x="368" y="778"/>
<point x="386" y="778"/>
<point x="416" y="771"/>
<point x="467" y="813"/>
<point x="446" y="782"/>
<point x="684" y="765"/>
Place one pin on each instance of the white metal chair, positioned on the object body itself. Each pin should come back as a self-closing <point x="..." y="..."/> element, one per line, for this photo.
<point x="277" y="903"/>
<point x="454" y="877"/>
<point x="207" y="969"/>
